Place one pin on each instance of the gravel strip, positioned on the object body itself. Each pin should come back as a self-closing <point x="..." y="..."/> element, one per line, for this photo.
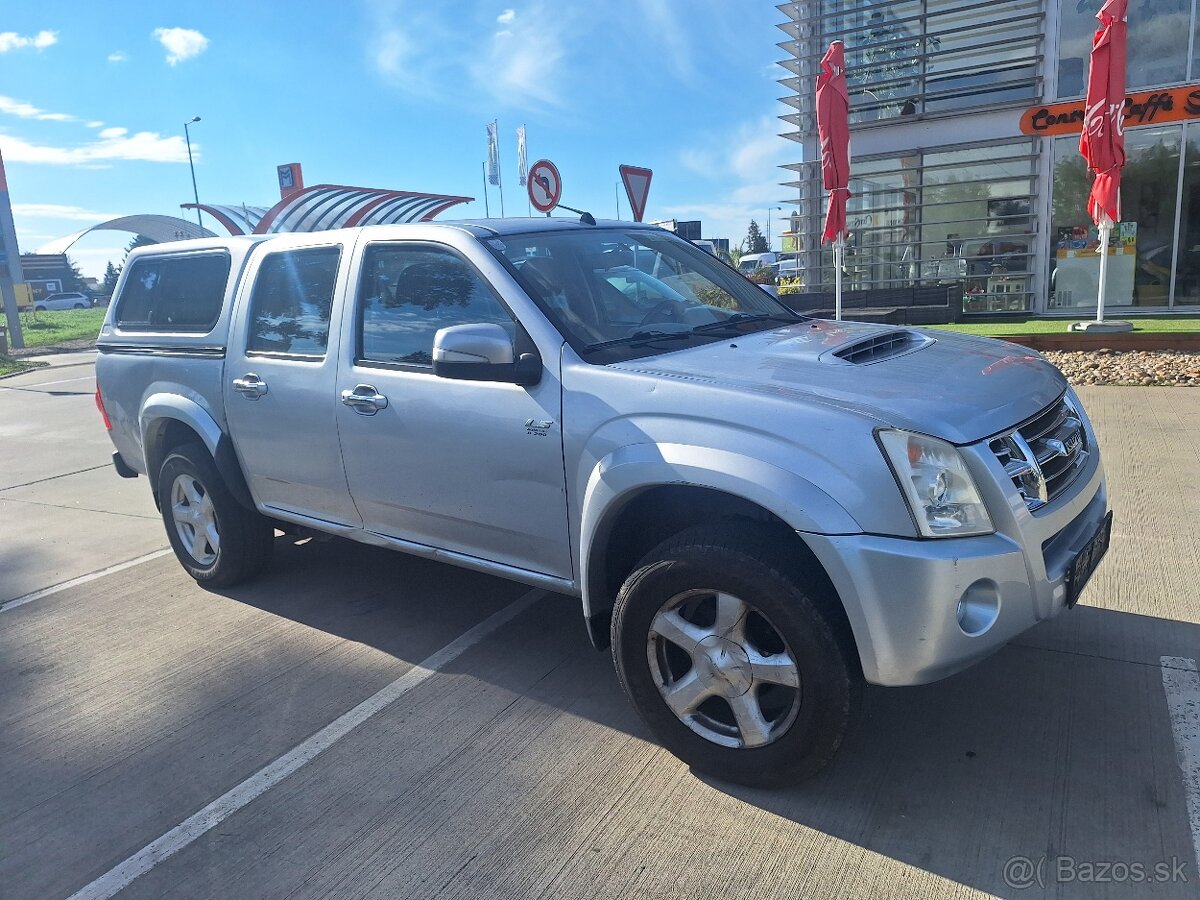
<point x="1130" y="367"/>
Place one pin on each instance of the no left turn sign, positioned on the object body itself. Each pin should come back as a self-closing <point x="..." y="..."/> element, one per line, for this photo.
<point x="545" y="185"/>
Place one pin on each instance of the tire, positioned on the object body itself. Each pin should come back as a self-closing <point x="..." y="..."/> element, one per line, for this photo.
<point x="39" y="309"/>
<point x="192" y="495"/>
<point x="79" y="306"/>
<point x="789" y="620"/>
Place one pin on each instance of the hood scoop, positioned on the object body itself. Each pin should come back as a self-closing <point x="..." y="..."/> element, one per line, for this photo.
<point x="877" y="347"/>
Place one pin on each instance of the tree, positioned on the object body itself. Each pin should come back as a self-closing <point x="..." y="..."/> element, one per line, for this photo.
<point x="111" y="274"/>
<point x="74" y="279"/>
<point x="139" y="241"/>
<point x="755" y="242"/>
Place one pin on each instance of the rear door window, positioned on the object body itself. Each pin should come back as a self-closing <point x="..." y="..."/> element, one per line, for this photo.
<point x="174" y="293"/>
<point x="291" y="302"/>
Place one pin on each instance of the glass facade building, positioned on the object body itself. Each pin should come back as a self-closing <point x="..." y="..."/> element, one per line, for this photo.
<point x="953" y="180"/>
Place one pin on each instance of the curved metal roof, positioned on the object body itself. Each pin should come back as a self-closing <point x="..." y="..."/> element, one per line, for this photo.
<point x="326" y="206"/>
<point x="157" y="228"/>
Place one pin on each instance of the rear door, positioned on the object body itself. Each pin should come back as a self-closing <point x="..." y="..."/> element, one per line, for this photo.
<point x="280" y="371"/>
<point x="469" y="466"/>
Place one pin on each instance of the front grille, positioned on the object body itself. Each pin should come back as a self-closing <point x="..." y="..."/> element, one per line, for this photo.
<point x="1043" y="456"/>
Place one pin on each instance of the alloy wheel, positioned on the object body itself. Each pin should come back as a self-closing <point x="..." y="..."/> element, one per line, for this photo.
<point x="723" y="669"/>
<point x="195" y="519"/>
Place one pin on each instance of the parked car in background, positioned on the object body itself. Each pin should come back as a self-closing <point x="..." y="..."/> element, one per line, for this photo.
<point x="751" y="261"/>
<point x="65" y="300"/>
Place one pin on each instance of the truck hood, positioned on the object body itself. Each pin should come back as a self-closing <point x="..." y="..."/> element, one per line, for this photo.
<point x="956" y="387"/>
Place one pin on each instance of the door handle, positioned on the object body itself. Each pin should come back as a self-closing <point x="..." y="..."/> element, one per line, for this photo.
<point x="250" y="386"/>
<point x="364" y="399"/>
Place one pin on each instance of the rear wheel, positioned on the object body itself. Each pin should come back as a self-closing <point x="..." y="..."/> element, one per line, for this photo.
<point x="736" y="660"/>
<point x="216" y="539"/>
<point x="80" y="306"/>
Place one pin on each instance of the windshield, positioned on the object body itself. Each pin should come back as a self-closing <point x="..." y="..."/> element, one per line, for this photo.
<point x="620" y="294"/>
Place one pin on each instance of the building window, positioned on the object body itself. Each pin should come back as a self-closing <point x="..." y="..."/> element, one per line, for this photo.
<point x="913" y="56"/>
<point x="963" y="215"/>
<point x="1158" y="43"/>
<point x="1142" y="251"/>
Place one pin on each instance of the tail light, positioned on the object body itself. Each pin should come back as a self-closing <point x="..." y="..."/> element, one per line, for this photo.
<point x="103" y="411"/>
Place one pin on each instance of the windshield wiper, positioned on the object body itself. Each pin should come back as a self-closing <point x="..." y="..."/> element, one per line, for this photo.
<point x="741" y="318"/>
<point x="642" y="336"/>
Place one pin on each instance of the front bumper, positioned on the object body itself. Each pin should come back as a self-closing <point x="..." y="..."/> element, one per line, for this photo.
<point x="902" y="595"/>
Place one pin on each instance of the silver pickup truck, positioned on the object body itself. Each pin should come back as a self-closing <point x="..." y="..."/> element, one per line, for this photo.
<point x="759" y="512"/>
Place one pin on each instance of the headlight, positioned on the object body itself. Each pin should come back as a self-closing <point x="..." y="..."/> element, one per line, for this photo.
<point x="934" y="479"/>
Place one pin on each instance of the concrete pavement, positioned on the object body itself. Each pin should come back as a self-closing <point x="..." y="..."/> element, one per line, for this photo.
<point x="132" y="701"/>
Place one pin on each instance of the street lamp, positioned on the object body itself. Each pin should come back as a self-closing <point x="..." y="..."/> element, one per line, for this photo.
<point x="769" y="210"/>
<point x="191" y="165"/>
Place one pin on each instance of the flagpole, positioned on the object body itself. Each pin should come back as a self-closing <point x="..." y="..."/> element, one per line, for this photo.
<point x="486" y="211"/>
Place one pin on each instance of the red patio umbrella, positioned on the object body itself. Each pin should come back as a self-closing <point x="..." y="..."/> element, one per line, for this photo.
<point x="833" y="129"/>
<point x="1103" y="140"/>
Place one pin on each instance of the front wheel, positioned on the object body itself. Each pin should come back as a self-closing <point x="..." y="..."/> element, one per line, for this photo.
<point x="736" y="661"/>
<point x="216" y="539"/>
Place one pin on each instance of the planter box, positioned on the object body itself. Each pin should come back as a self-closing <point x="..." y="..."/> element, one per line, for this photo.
<point x="1111" y="341"/>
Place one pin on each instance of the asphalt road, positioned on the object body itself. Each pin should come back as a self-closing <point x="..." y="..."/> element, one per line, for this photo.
<point x="509" y="764"/>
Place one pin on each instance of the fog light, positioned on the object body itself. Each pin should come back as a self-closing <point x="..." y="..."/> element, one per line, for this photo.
<point x="978" y="607"/>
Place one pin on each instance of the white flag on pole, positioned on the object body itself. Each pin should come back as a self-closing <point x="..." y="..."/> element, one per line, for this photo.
<point x="522" y="163"/>
<point x="493" y="155"/>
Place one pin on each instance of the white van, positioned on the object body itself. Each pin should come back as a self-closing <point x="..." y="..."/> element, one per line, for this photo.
<point x="752" y="261"/>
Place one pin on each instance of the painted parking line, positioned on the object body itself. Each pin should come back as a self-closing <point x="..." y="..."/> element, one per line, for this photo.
<point x="82" y="579"/>
<point x="196" y="825"/>
<point x="29" y="387"/>
<point x="1181" y="681"/>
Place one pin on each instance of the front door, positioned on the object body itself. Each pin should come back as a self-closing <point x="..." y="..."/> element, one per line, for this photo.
<point x="470" y="466"/>
<point x="280" y="374"/>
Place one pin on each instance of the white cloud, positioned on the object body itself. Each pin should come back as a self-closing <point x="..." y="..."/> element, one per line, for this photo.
<point x="522" y="65"/>
<point x="421" y="52"/>
<point x="667" y="20"/>
<point x="10" y="40"/>
<point x="24" y="110"/>
<point x="95" y="123"/>
<point x="118" y="56"/>
<point x="60" y="212"/>
<point x="115" y="144"/>
<point x="744" y="169"/>
<point x="180" y="43"/>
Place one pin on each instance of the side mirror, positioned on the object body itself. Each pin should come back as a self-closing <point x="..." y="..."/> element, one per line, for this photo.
<point x="482" y="352"/>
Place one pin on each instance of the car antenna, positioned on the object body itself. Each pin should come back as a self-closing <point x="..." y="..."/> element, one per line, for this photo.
<point x="585" y="218"/>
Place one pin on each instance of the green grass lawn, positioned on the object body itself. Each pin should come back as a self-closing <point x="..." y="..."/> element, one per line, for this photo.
<point x="46" y="329"/>
<point x="1173" y="325"/>
<point x="10" y="366"/>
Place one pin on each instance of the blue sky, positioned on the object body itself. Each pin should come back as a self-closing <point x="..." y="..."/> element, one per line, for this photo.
<point x="386" y="93"/>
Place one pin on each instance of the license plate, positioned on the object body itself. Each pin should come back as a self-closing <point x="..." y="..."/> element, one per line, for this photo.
<point x="1086" y="561"/>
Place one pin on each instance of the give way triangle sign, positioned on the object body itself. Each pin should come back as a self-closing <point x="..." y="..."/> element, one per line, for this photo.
<point x="637" y="187"/>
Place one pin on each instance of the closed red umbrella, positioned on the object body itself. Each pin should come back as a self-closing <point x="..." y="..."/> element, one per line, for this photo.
<point x="833" y="129"/>
<point x="1103" y="140"/>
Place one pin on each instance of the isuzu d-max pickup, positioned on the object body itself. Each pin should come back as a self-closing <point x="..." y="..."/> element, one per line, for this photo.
<point x="759" y="512"/>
